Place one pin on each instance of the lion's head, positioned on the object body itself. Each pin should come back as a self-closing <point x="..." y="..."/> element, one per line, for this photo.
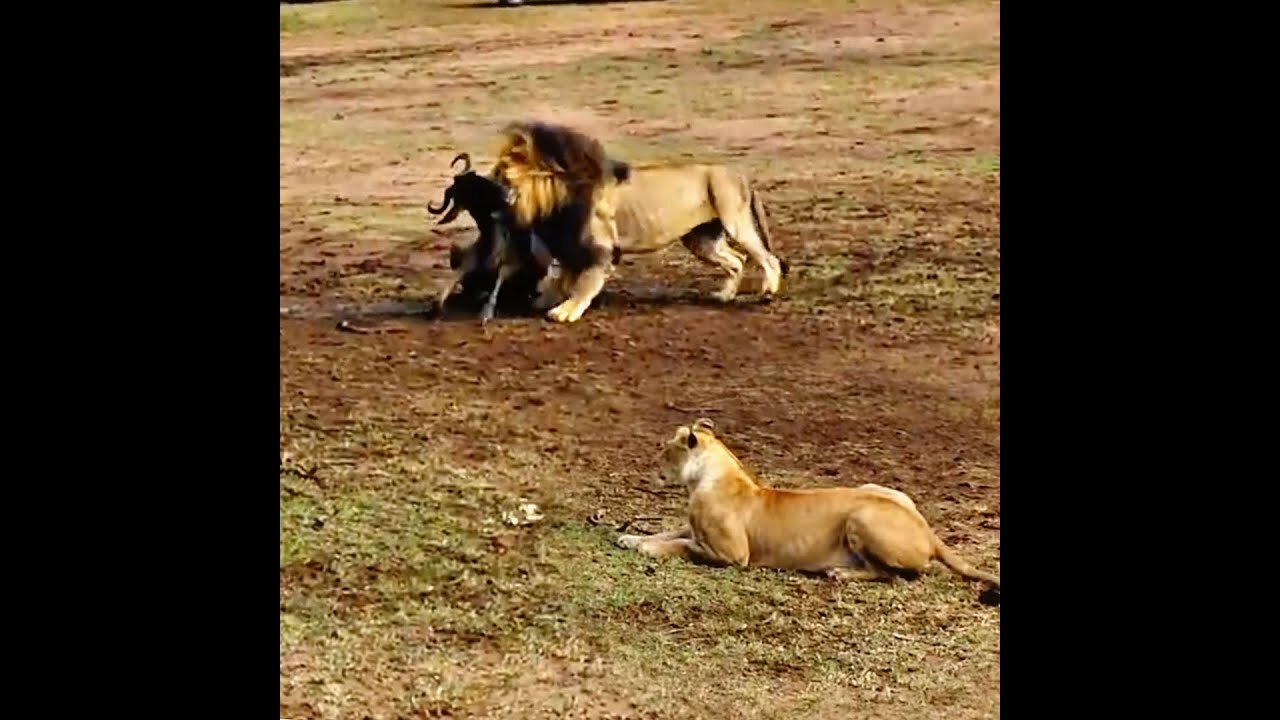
<point x="550" y="167"/>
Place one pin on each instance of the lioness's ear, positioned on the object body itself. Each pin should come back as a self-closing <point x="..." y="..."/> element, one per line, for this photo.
<point x="704" y="423"/>
<point x="693" y="439"/>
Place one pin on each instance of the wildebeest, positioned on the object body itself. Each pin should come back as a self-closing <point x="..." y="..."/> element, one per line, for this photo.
<point x="503" y="263"/>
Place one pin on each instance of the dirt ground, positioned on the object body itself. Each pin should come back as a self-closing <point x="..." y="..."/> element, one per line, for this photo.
<point x="410" y="583"/>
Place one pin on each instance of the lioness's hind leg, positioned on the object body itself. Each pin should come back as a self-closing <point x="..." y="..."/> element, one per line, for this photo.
<point x="863" y="569"/>
<point x="869" y="573"/>
<point x="714" y="250"/>
<point x="887" y="534"/>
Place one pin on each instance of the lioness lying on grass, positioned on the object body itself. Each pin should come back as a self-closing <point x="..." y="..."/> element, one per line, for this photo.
<point x="863" y="533"/>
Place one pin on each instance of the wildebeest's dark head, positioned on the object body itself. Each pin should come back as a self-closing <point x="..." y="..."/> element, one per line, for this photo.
<point x="489" y="204"/>
<point x="477" y="194"/>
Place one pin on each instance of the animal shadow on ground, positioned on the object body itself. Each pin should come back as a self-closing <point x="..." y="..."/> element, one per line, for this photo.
<point x="464" y="309"/>
<point x="516" y="300"/>
<point x="675" y="298"/>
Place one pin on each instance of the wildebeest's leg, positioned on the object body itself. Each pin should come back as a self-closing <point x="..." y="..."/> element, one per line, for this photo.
<point x="707" y="242"/>
<point x="539" y="250"/>
<point x="468" y="264"/>
<point x="549" y="287"/>
<point x="503" y="257"/>
<point x="505" y="271"/>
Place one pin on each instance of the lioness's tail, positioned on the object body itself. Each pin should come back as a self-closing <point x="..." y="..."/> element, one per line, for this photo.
<point x="962" y="568"/>
<point x="762" y="226"/>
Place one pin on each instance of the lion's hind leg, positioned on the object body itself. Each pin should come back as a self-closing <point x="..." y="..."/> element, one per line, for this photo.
<point x="708" y="243"/>
<point x="732" y="198"/>
<point x="743" y="234"/>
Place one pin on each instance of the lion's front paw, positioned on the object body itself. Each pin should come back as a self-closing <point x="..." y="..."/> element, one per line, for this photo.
<point x="629" y="542"/>
<point x="565" y="312"/>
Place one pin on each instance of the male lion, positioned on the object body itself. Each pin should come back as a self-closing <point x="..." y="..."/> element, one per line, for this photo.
<point x="864" y="533"/>
<point x="564" y="183"/>
<point x="698" y="205"/>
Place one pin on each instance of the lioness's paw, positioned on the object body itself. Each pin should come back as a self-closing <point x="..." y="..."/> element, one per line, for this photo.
<point x="629" y="542"/>
<point x="724" y="296"/>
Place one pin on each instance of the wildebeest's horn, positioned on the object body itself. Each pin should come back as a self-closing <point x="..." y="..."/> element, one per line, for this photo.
<point x="448" y="198"/>
<point x="466" y="159"/>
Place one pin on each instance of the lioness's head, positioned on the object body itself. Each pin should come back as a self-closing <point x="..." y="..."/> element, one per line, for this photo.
<point x="689" y="442"/>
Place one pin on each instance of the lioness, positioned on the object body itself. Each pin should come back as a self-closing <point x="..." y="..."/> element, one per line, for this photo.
<point x="697" y="204"/>
<point x="864" y="533"/>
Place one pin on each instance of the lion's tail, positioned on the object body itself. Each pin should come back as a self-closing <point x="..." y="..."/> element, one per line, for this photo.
<point x="762" y="226"/>
<point x="960" y="566"/>
<point x="619" y="169"/>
